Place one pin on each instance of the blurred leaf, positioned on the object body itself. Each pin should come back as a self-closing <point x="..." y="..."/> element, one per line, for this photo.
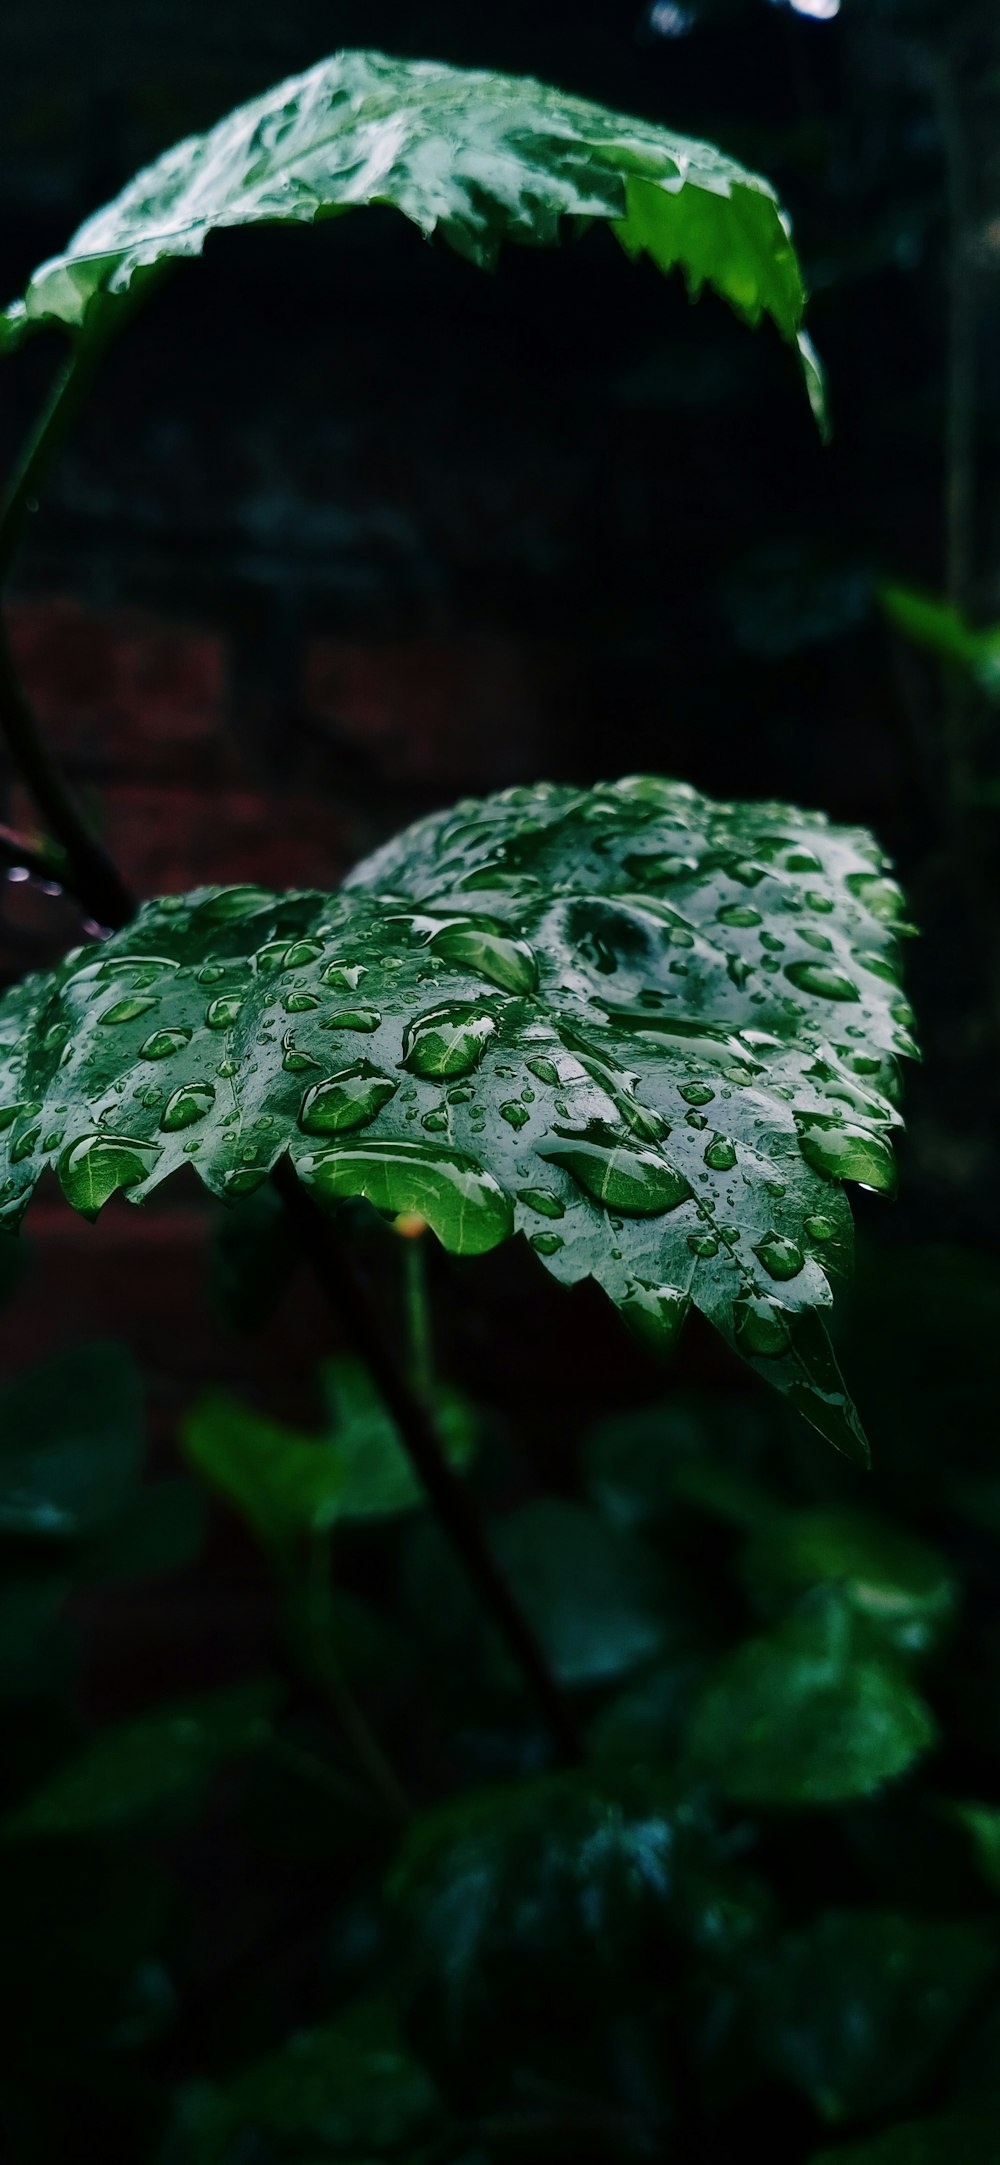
<point x="128" y="1770"/>
<point x="816" y="1713"/>
<point x="599" y="1600"/>
<point x="535" y="1917"/>
<point x="477" y="158"/>
<point x="160" y="1529"/>
<point x="693" y="1157"/>
<point x="71" y="1443"/>
<point x="954" y="2138"/>
<point x="645" y="1724"/>
<point x="286" y="1483"/>
<point x="378" y="1479"/>
<point x="942" y="628"/>
<point x="858" y="2007"/>
<point x="900" y="1585"/>
<point x="350" y="2087"/>
<point x="637" y="1465"/>
<point x="981" y="1823"/>
<point x="252" y="1259"/>
<point x="33" y="1646"/>
<point x="282" y="1482"/>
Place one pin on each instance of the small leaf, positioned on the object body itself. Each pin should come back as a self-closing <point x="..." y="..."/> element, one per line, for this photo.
<point x="860" y="2005"/>
<point x="282" y="1482"/>
<point x="377" y="1478"/>
<point x="351" y="2087"/>
<point x="813" y="1714"/>
<point x="942" y="628"/>
<point x="900" y="1585"/>
<point x="71" y="1443"/>
<point x="477" y="158"/>
<point x="130" y="1769"/>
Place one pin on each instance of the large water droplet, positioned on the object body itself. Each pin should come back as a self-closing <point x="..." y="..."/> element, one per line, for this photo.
<point x="543" y="1071"/>
<point x="221" y="1014"/>
<point x="186" y="1106"/>
<point x="655" y="1314"/>
<point x="448" y="1040"/>
<point x="780" y="1257"/>
<point x="881" y="897"/>
<point x="163" y="1043"/>
<point x="638" y="1183"/>
<point x="348" y="1100"/>
<point x="128" y="1010"/>
<point x="93" y="1167"/>
<point x="720" y="1154"/>
<point x="272" y="956"/>
<point x="823" y="979"/>
<point x="542" y="1200"/>
<point x="703" y="1245"/>
<point x="820" y="1228"/>
<point x="546" y="1243"/>
<point x="696" y="1093"/>
<point x="302" y="952"/>
<point x="365" y="1019"/>
<point x="738" y="914"/>
<point x="761" y="1328"/>
<point x="845" y="1152"/>
<point x="299" y="1003"/>
<point x="234" y="902"/>
<point x="507" y="962"/>
<point x="515" y="1114"/>
<point x="25" y="1144"/>
<point x="344" y="976"/>
<point x="464" y="1206"/>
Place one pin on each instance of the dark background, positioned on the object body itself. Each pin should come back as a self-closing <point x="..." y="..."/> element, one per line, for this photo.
<point x="350" y="529"/>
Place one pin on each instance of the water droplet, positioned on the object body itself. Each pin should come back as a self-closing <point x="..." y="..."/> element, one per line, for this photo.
<point x="774" y="946"/>
<point x="506" y="962"/>
<point x="221" y="1014"/>
<point x="546" y="1243"/>
<point x="820" y="1228"/>
<point x="301" y="953"/>
<point x="348" y="1100"/>
<point x="846" y="1152"/>
<point x="543" y="1071"/>
<point x="760" y="1327"/>
<point x="53" y="1141"/>
<point x="435" y="1122"/>
<point x="299" y="1003"/>
<point x="94" y="1166"/>
<point x="293" y="1061"/>
<point x="354" y="1018"/>
<point x="542" y="1200"/>
<point x="880" y="897"/>
<point x="780" y="1257"/>
<point x="815" y="900"/>
<point x="515" y="1114"/>
<point x="720" y="1154"/>
<point x="448" y="1040"/>
<point x="25" y="1144"/>
<point x="696" y="1093"/>
<point x="695" y="1120"/>
<point x="703" y="1244"/>
<point x="655" y="1314"/>
<point x="188" y="1104"/>
<point x="211" y="972"/>
<point x="163" y="1043"/>
<point x="738" y="914"/>
<point x="461" y="1094"/>
<point x="233" y="902"/>
<point x="128" y="1010"/>
<point x="638" y="1183"/>
<point x="815" y="938"/>
<point x="464" y="1206"/>
<point x="344" y="976"/>
<point x="272" y="957"/>
<point x="823" y="979"/>
<point x="241" y="1181"/>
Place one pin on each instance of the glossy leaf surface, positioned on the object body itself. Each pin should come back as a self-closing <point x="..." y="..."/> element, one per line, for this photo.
<point x="478" y="159"/>
<point x="652" y="1033"/>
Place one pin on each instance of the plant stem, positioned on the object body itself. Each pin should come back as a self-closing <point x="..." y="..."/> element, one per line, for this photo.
<point x="446" y="1492"/>
<point x="90" y="872"/>
<point x="419" y="1329"/>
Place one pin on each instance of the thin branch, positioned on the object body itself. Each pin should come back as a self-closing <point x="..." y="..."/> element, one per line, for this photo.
<point x="89" y="871"/>
<point x="447" y="1494"/>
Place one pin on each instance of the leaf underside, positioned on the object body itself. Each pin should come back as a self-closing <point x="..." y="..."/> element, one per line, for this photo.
<point x="476" y="158"/>
<point x="652" y="1033"/>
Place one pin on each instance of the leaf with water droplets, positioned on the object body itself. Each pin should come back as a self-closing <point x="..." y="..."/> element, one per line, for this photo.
<point x="555" y="1044"/>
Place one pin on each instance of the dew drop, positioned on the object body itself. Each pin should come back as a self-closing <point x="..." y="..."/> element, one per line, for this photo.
<point x="738" y="914"/>
<point x="546" y="1243"/>
<point x="821" y="978"/>
<point x="186" y="1106"/>
<point x="760" y="1327"/>
<point x="720" y="1154"/>
<point x="299" y="1003"/>
<point x="221" y="1014"/>
<point x="543" y="1071"/>
<point x="163" y="1043"/>
<point x="448" y="1040"/>
<point x="94" y="1166"/>
<point x="820" y="1229"/>
<point x="344" y="976"/>
<point x="638" y="1183"/>
<point x="366" y="1019"/>
<point x="780" y="1257"/>
<point x="703" y="1244"/>
<point x="348" y="1100"/>
<point x="542" y="1200"/>
<point x="846" y="1152"/>
<point x="128" y="1010"/>
<point x="515" y="1114"/>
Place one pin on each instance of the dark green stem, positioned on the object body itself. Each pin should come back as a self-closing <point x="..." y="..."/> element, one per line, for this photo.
<point x="419" y="1329"/>
<point x="447" y="1494"/>
<point x="89" y="871"/>
<point x="311" y="1608"/>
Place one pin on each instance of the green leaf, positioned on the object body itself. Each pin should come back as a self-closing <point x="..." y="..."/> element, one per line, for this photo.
<point x="813" y="1714"/>
<point x="132" y="1768"/>
<point x="350" y="2086"/>
<point x="532" y="1917"/>
<point x="599" y="1600"/>
<point x="707" y="1053"/>
<point x="286" y="1483"/>
<point x="981" y="1823"/>
<point x="476" y="158"/>
<point x="640" y="1466"/>
<point x="940" y="627"/>
<point x="71" y="1443"/>
<point x="900" y="1585"/>
<point x="968" y="2135"/>
<point x="860" y="2005"/>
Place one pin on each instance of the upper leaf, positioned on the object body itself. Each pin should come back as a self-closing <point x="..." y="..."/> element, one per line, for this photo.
<point x="652" y="1033"/>
<point x="478" y="158"/>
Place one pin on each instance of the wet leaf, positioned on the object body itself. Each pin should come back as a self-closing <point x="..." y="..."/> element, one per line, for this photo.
<point x="599" y="1600"/>
<point x="673" y="1109"/>
<point x="900" y="1585"/>
<point x="478" y="159"/>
